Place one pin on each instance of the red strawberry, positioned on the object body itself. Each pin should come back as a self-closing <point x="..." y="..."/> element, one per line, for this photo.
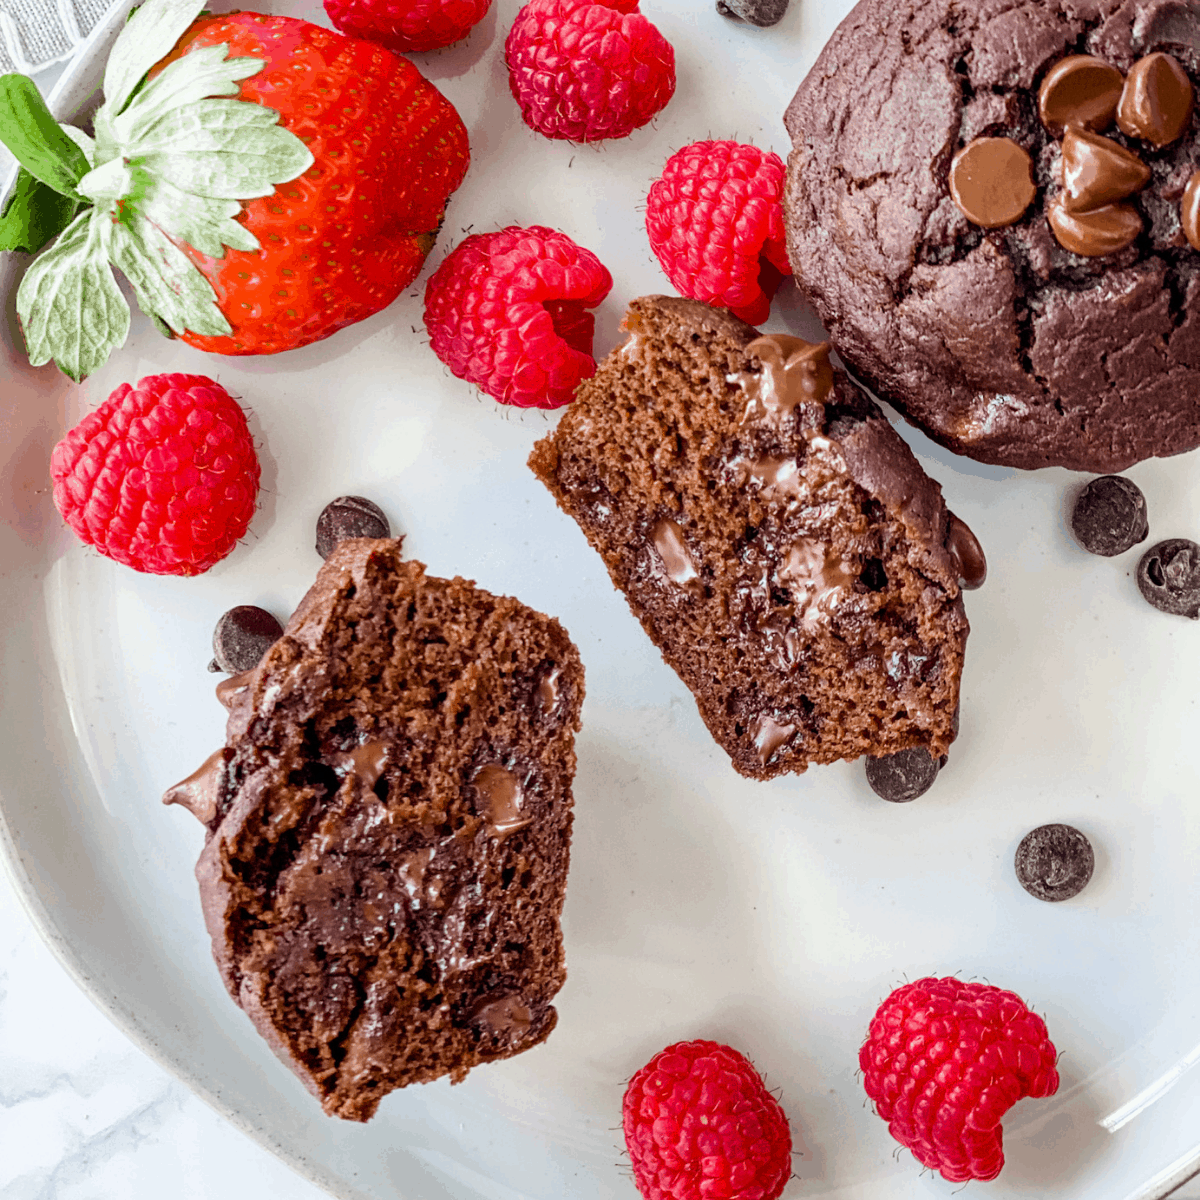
<point x="700" y="1125"/>
<point x="343" y="240"/>
<point x="162" y="477"/>
<point x="944" y="1061"/>
<point x="305" y="203"/>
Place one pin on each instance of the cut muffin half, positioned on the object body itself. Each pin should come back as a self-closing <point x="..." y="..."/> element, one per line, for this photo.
<point x="774" y="535"/>
<point x="389" y="829"/>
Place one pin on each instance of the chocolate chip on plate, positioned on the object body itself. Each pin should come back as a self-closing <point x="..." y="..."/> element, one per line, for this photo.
<point x="1110" y="516"/>
<point x="242" y="636"/>
<point x="349" y="517"/>
<point x="902" y="776"/>
<point x="1169" y="577"/>
<point x="1054" y="862"/>
<point x="756" y="12"/>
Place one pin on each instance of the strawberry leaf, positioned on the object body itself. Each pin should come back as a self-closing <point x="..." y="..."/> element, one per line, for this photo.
<point x="166" y="281"/>
<point x="203" y="222"/>
<point x="33" y="215"/>
<point x="194" y="77"/>
<point x="149" y="34"/>
<point x="70" y="306"/>
<point x="35" y="139"/>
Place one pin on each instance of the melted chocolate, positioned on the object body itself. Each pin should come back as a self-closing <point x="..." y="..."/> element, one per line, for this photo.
<point x="770" y="735"/>
<point x="817" y="577"/>
<point x="367" y="762"/>
<point x="672" y="550"/>
<point x="794" y="373"/>
<point x="227" y="689"/>
<point x="200" y="792"/>
<point x="503" y="799"/>
<point x="964" y="548"/>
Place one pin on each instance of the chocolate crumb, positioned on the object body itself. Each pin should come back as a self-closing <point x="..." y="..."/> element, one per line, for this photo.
<point x="349" y="517"/>
<point x="1054" y="862"/>
<point x="762" y="13"/>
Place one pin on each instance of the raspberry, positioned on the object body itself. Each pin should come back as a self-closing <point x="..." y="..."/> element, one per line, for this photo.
<point x="700" y="1125"/>
<point x="715" y="221"/>
<point x="944" y="1061"/>
<point x="585" y="70"/>
<point x="408" y="25"/>
<point x="162" y="477"/>
<point x="507" y="312"/>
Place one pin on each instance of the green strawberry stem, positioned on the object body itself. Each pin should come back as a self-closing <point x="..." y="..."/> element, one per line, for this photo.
<point x="172" y="162"/>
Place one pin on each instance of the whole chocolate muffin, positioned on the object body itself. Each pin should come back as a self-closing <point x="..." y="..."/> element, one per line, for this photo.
<point x="389" y="827"/>
<point x="989" y="206"/>
<point x="774" y="535"/>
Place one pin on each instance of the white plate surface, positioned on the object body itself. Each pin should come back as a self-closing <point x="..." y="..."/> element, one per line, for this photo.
<point x="772" y="916"/>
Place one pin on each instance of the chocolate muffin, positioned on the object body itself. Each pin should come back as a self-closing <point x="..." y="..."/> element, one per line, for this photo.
<point x="989" y="206"/>
<point x="777" y="540"/>
<point x="388" y="829"/>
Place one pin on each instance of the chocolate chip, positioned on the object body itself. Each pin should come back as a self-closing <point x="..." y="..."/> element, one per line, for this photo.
<point x="966" y="552"/>
<point x="1054" y="862"/>
<point x="1169" y="577"/>
<point x="1110" y="516"/>
<point x="1080" y="90"/>
<point x="1157" y="102"/>
<point x="242" y="636"/>
<point x="349" y="517"/>
<point x="1189" y="213"/>
<point x="1094" y="234"/>
<point x="902" y="776"/>
<point x="1097" y="171"/>
<point x="991" y="180"/>
<point x="758" y="12"/>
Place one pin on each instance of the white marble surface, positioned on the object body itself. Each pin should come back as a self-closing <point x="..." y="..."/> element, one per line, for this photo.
<point x="88" y="1116"/>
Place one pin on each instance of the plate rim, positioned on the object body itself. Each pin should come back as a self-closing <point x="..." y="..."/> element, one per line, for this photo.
<point x="67" y="95"/>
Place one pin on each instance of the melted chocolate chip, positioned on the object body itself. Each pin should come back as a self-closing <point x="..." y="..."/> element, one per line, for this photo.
<point x="242" y="636"/>
<point x="1110" y="516"/>
<point x="964" y="548"/>
<point x="1080" y="90"/>
<point x="1097" y="171"/>
<point x="1189" y="214"/>
<point x="1169" y="577"/>
<point x="1054" y="862"/>
<point x="1157" y="102"/>
<point x="1094" y="234"/>
<point x="763" y="13"/>
<point x="349" y="517"/>
<point x="902" y="776"/>
<point x="991" y="180"/>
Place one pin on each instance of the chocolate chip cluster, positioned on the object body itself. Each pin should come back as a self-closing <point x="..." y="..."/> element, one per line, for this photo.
<point x="991" y="179"/>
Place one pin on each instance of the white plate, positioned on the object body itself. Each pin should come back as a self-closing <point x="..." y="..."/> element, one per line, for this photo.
<point x="772" y="916"/>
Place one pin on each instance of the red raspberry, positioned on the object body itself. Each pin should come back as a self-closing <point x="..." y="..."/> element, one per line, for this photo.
<point x="584" y="70"/>
<point x="715" y="221"/>
<point x="162" y="477"/>
<point x="944" y="1061"/>
<point x="700" y="1125"/>
<point x="408" y="25"/>
<point x="507" y="312"/>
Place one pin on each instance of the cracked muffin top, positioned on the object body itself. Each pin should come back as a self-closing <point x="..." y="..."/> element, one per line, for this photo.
<point x="993" y="206"/>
